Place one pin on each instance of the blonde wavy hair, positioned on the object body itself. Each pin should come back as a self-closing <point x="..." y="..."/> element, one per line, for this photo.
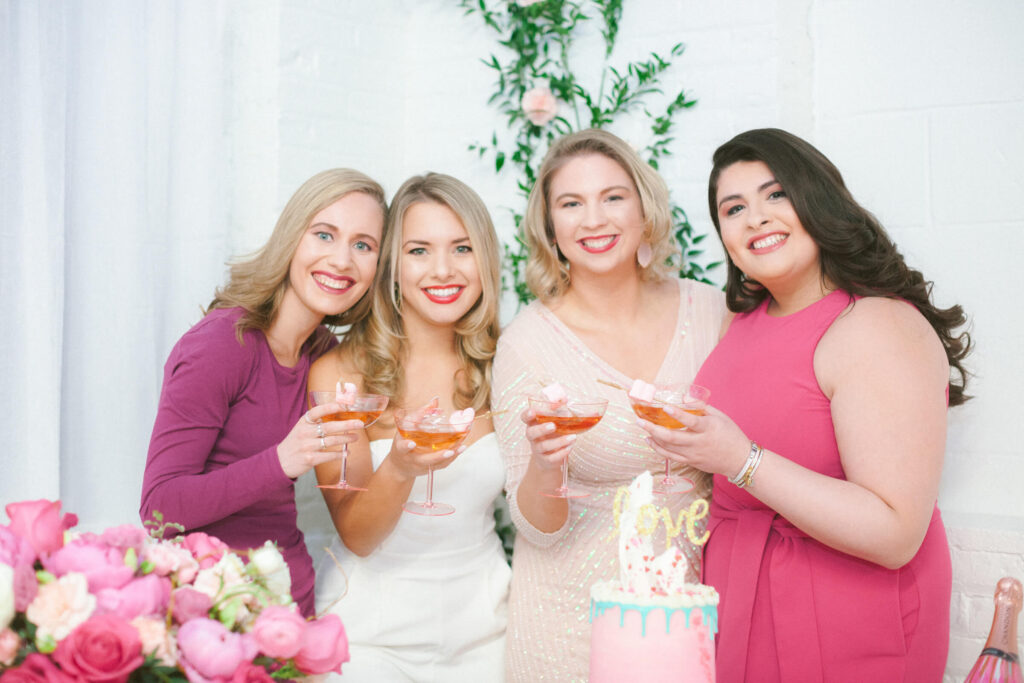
<point x="377" y="343"/>
<point x="547" y="271"/>
<point x="258" y="282"/>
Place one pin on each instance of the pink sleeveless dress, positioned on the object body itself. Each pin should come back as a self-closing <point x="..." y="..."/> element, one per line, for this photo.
<point x="793" y="609"/>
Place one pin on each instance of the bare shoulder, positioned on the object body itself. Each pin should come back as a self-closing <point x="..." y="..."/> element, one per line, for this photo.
<point x="880" y="337"/>
<point x="334" y="366"/>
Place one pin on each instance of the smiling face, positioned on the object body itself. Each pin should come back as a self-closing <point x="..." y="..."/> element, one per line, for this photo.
<point x="438" y="273"/>
<point x="597" y="215"/>
<point x="762" y="232"/>
<point x="336" y="259"/>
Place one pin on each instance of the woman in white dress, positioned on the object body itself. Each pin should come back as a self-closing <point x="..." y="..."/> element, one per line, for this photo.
<point x="422" y="598"/>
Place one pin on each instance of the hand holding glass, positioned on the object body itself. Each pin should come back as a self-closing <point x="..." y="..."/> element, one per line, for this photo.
<point x="432" y="431"/>
<point x="571" y="417"/>
<point x="692" y="398"/>
<point x="363" y="407"/>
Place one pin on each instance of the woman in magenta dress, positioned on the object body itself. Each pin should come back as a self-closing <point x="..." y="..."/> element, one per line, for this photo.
<point x="230" y="436"/>
<point x="829" y="389"/>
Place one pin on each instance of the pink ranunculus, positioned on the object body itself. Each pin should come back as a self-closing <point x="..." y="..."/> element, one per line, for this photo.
<point x="124" y="537"/>
<point x="102" y="565"/>
<point x="36" y="668"/>
<point x="171" y="558"/>
<point x="40" y="523"/>
<point x="210" y="652"/>
<point x="326" y="646"/>
<point x="9" y="644"/>
<point x="539" y="105"/>
<point x="138" y="598"/>
<point x="279" y="632"/>
<point x="247" y="672"/>
<point x="205" y="548"/>
<point x="156" y="640"/>
<point x="61" y="606"/>
<point x="189" y="604"/>
<point x="105" y="649"/>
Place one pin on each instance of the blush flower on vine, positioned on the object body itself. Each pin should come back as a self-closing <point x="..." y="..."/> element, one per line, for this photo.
<point x="539" y="105"/>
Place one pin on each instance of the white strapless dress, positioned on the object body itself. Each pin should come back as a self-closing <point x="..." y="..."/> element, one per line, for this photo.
<point x="429" y="605"/>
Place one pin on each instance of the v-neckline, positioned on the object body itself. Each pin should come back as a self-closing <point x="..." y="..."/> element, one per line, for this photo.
<point x="610" y="370"/>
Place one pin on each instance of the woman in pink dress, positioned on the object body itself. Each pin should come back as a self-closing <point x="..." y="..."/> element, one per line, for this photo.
<point x="829" y="389"/>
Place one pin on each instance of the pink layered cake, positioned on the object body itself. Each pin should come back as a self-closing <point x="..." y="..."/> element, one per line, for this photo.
<point x="650" y="625"/>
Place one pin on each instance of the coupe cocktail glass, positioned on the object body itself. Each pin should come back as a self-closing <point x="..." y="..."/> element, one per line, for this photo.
<point x="569" y="417"/>
<point x="432" y="431"/>
<point x="692" y="398"/>
<point x="363" y="407"/>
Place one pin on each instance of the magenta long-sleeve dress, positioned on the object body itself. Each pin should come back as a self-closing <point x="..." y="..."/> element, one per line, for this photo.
<point x="212" y="463"/>
<point x="792" y="608"/>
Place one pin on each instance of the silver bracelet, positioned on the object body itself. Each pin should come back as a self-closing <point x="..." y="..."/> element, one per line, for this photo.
<point x="741" y="475"/>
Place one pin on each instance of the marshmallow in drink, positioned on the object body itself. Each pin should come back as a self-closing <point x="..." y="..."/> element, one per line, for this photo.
<point x="555" y="393"/>
<point x="642" y="391"/>
<point x="461" y="417"/>
<point x="346" y="396"/>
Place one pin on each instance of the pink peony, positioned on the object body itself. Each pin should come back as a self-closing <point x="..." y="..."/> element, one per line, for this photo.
<point x="124" y="537"/>
<point x="209" y="652"/>
<point x="279" y="631"/>
<point x="539" y="105"/>
<point x="60" y="606"/>
<point x="170" y="558"/>
<point x="188" y="604"/>
<point x="155" y="639"/>
<point x="105" y="649"/>
<point x="138" y="598"/>
<point x="326" y="647"/>
<point x="9" y="644"/>
<point x="36" y="668"/>
<point x="102" y="565"/>
<point x="205" y="548"/>
<point x="18" y="553"/>
<point x="40" y="523"/>
<point x="247" y="672"/>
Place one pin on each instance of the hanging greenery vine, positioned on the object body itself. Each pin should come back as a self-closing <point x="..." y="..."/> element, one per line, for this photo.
<point x="542" y="99"/>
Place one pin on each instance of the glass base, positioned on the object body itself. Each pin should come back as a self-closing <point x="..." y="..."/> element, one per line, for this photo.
<point x="668" y="486"/>
<point x="430" y="509"/>
<point x="563" y="492"/>
<point x="341" y="486"/>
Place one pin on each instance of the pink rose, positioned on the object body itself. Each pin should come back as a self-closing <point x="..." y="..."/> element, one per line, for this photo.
<point x="326" y="647"/>
<point x="9" y="644"/>
<point x="124" y="537"/>
<point x="105" y="649"/>
<point x="102" y="565"/>
<point x="205" y="548"/>
<point x="18" y="553"/>
<point x="539" y="105"/>
<point x="189" y="604"/>
<point x="247" y="672"/>
<point x="138" y="598"/>
<point x="168" y="558"/>
<point x="210" y="652"/>
<point x="40" y="523"/>
<point x="36" y="668"/>
<point x="278" y="632"/>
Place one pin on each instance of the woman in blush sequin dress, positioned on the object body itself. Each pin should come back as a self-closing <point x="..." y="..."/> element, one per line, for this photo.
<point x="422" y="598"/>
<point x="830" y="390"/>
<point x="599" y="232"/>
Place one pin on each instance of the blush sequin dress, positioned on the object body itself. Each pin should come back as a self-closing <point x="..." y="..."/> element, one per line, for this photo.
<point x="548" y="635"/>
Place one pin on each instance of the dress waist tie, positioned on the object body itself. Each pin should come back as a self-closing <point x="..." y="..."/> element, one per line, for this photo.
<point x="789" y="577"/>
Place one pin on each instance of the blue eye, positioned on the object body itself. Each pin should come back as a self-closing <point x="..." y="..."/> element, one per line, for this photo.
<point x="362" y="246"/>
<point x="570" y="204"/>
<point x="417" y="251"/>
<point x="324" y="236"/>
<point x="463" y="249"/>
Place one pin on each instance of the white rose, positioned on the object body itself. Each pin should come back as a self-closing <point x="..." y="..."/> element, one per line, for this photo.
<point x="270" y="564"/>
<point x="6" y="596"/>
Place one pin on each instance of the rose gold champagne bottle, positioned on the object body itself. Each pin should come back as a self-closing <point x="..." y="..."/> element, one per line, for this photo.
<point x="999" y="661"/>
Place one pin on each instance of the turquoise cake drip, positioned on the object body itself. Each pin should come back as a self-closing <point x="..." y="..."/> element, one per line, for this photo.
<point x="708" y="612"/>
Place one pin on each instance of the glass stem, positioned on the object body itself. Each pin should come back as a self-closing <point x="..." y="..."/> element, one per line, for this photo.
<point x="344" y="464"/>
<point x="430" y="488"/>
<point x="565" y="474"/>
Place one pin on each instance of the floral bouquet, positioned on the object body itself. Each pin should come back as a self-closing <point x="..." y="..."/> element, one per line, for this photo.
<point x="131" y="605"/>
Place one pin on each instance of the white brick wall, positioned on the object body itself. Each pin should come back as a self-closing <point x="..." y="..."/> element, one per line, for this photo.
<point x="919" y="103"/>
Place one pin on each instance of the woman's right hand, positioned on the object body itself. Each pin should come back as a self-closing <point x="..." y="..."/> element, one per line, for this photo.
<point x="547" y="451"/>
<point x="304" y="448"/>
<point x="411" y="461"/>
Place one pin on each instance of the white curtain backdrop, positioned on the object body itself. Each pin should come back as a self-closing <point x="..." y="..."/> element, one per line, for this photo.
<point x="114" y="228"/>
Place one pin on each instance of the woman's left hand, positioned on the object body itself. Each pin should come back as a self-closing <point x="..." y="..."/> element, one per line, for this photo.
<point x="711" y="443"/>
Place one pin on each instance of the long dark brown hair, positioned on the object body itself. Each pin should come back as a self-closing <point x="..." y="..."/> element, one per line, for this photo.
<point x="855" y="252"/>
